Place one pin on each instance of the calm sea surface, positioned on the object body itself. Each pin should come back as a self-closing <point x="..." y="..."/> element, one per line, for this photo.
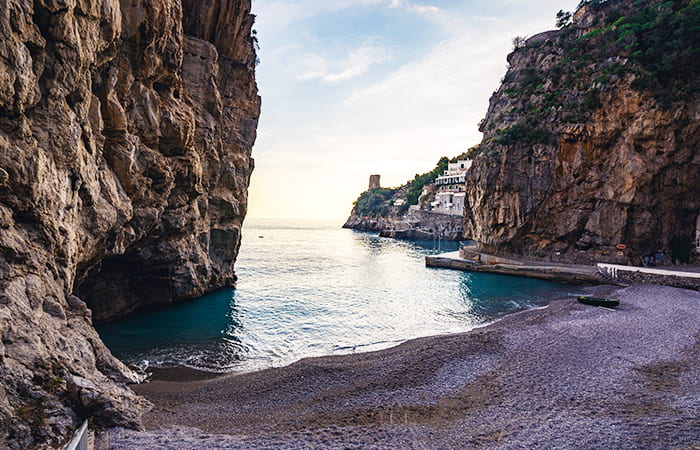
<point x="312" y="288"/>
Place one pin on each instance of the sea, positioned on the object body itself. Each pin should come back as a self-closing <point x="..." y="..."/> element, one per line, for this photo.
<point x="311" y="288"/>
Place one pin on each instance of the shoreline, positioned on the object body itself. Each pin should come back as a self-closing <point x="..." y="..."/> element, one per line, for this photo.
<point x="181" y="374"/>
<point x="186" y="374"/>
<point x="563" y="376"/>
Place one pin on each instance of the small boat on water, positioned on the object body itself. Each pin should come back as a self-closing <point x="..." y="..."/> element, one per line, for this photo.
<point x="596" y="301"/>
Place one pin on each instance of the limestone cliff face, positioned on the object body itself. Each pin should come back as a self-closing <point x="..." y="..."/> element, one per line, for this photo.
<point x="126" y="129"/>
<point x="592" y="142"/>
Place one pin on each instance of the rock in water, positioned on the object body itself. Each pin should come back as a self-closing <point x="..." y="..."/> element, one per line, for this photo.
<point x="593" y="139"/>
<point x="126" y="131"/>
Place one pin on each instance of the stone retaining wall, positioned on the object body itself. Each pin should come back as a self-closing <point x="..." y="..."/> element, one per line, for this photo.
<point x="640" y="275"/>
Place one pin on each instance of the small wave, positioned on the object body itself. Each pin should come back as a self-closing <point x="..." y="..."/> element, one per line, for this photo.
<point x="364" y="347"/>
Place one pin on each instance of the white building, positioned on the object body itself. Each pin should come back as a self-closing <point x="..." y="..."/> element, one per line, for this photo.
<point x="454" y="177"/>
<point x="449" y="203"/>
<point x="450" y="195"/>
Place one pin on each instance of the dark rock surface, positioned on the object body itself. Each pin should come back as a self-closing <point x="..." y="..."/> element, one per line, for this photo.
<point x="588" y="145"/>
<point x="415" y="225"/>
<point x="125" y="136"/>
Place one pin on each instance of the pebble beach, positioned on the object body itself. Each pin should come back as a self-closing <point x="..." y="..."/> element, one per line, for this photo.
<point x="564" y="376"/>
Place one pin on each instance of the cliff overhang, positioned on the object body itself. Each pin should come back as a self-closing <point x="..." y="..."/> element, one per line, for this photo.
<point x="126" y="131"/>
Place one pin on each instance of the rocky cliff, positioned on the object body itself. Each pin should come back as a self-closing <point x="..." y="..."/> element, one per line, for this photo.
<point x="126" y="129"/>
<point x="591" y="145"/>
<point x="414" y="225"/>
<point x="388" y="211"/>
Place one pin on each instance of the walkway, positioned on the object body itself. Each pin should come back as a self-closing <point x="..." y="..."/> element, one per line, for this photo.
<point x="559" y="273"/>
<point x="686" y="277"/>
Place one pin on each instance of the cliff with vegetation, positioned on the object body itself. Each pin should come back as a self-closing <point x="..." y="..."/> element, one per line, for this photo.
<point x="591" y="147"/>
<point x="387" y="210"/>
<point x="126" y="130"/>
<point x="379" y="204"/>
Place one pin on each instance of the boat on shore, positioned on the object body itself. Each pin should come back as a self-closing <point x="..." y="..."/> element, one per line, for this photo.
<point x="597" y="301"/>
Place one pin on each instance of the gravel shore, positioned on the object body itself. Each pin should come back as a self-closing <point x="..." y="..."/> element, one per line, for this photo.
<point x="566" y="376"/>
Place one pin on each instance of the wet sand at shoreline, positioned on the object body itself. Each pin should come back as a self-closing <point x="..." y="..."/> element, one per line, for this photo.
<point x="569" y="375"/>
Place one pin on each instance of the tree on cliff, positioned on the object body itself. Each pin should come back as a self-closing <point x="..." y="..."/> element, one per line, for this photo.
<point x="563" y="18"/>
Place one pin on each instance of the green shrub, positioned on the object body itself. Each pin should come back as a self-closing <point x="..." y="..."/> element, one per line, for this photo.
<point x="666" y="46"/>
<point x="619" y="21"/>
<point x="522" y="134"/>
<point x="592" y="101"/>
<point x="563" y="18"/>
<point x="373" y="203"/>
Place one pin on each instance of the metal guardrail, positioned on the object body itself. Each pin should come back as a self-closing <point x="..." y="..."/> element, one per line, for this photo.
<point x="613" y="271"/>
<point x="80" y="439"/>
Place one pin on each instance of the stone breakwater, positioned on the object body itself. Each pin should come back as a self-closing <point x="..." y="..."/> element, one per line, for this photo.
<point x="126" y="131"/>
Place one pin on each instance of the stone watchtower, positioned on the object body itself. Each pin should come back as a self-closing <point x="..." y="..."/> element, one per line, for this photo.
<point x="373" y="182"/>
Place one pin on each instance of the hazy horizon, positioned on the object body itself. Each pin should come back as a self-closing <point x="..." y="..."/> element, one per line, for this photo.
<point x="352" y="88"/>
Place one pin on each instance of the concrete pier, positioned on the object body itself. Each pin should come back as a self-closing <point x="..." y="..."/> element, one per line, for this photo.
<point x="469" y="259"/>
<point x="558" y="273"/>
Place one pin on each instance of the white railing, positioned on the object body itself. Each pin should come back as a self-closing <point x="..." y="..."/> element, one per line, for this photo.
<point x="609" y="270"/>
<point x="450" y="179"/>
<point x="612" y="271"/>
<point x="80" y="439"/>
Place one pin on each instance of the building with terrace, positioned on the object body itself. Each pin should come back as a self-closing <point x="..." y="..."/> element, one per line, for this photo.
<point x="454" y="177"/>
<point x="450" y="186"/>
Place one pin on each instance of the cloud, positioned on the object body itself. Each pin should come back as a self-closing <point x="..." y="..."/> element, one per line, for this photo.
<point x="424" y="9"/>
<point x="283" y="12"/>
<point x="355" y="64"/>
<point x="452" y="69"/>
<point x="319" y="141"/>
<point x="279" y="13"/>
<point x="412" y="8"/>
<point x="442" y="18"/>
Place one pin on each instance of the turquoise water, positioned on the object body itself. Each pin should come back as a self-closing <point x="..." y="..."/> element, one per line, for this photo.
<point x="311" y="289"/>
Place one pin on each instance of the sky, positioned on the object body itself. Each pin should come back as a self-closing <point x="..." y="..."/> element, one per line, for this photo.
<point x="352" y="88"/>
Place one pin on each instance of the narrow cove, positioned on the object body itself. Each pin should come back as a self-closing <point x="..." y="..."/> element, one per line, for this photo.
<point x="309" y="288"/>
